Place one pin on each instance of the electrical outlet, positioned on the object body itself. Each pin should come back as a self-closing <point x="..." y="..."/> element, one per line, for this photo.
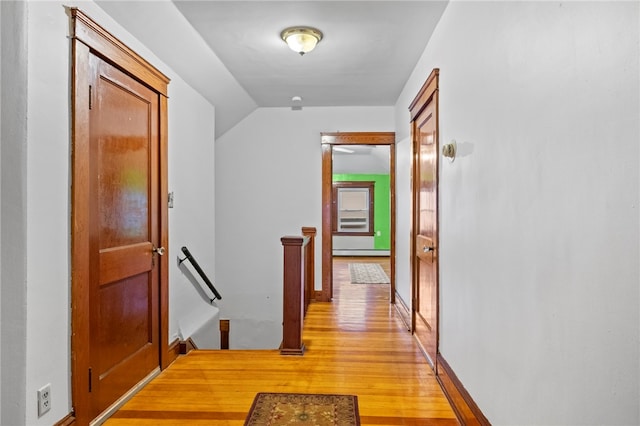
<point x="44" y="399"/>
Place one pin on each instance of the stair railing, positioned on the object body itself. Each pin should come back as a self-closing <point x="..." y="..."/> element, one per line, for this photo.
<point x="200" y="272"/>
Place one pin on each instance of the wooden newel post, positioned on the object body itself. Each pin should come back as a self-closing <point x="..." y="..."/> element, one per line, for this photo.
<point x="293" y="306"/>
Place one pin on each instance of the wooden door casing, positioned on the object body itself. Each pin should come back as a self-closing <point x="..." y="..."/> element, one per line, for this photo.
<point x="425" y="244"/>
<point x="329" y="139"/>
<point x="90" y="40"/>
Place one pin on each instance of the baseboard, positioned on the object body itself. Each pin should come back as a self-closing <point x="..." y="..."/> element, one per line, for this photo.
<point x="173" y="352"/>
<point x="68" y="420"/>
<point x="403" y="311"/>
<point x="463" y="405"/>
<point x="186" y="346"/>
<point x="102" y="417"/>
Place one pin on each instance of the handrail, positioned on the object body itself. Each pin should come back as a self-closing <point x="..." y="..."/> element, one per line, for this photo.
<point x="201" y="272"/>
<point x="309" y="266"/>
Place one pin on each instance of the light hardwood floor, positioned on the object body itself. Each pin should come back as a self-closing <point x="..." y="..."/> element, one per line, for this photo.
<point x="355" y="345"/>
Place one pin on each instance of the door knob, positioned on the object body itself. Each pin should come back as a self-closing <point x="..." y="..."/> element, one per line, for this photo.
<point x="426" y="249"/>
<point x="159" y="250"/>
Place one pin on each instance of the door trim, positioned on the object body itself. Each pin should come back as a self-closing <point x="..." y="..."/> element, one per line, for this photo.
<point x="352" y="138"/>
<point x="90" y="38"/>
<point x="427" y="94"/>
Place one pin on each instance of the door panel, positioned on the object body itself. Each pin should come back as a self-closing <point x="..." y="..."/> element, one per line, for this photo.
<point x="425" y="224"/>
<point x="426" y="295"/>
<point x="124" y="261"/>
<point x="124" y="290"/>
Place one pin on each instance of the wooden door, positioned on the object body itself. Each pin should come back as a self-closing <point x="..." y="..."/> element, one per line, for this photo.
<point x="124" y="224"/>
<point x="119" y="215"/>
<point x="425" y="219"/>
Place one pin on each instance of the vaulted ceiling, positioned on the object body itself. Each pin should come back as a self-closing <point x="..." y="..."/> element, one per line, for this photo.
<point x="231" y="51"/>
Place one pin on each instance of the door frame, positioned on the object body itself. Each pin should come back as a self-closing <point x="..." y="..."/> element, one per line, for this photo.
<point x="329" y="140"/>
<point x="427" y="94"/>
<point x="90" y="38"/>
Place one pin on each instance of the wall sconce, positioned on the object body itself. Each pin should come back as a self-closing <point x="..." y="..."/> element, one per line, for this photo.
<point x="301" y="39"/>
<point x="449" y="151"/>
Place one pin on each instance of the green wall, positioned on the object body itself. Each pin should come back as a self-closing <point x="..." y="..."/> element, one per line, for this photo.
<point x="381" y="205"/>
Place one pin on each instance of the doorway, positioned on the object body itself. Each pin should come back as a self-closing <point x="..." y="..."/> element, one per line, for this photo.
<point x="357" y="222"/>
<point x="425" y="219"/>
<point x="119" y="279"/>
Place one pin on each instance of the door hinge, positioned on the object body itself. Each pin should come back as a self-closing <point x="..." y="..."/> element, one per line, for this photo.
<point x="90" y="96"/>
<point x="90" y="379"/>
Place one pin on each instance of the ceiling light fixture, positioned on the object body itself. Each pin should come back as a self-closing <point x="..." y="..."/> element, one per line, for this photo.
<point x="301" y="39"/>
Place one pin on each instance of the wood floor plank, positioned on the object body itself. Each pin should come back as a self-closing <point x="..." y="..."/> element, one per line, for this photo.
<point x="356" y="345"/>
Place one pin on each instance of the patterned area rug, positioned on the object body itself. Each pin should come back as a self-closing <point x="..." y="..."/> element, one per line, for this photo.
<point x="276" y="409"/>
<point x="367" y="273"/>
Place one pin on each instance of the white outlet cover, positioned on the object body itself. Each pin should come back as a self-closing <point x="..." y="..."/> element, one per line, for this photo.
<point x="44" y="399"/>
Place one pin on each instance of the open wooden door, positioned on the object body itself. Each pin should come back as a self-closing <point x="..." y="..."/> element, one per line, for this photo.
<point x="424" y="250"/>
<point x="119" y="217"/>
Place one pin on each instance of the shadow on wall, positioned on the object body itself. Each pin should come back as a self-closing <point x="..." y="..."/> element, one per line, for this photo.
<point x="464" y="149"/>
<point x="193" y="280"/>
<point x="203" y="330"/>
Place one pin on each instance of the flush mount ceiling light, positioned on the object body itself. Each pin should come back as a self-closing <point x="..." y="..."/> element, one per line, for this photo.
<point x="301" y="39"/>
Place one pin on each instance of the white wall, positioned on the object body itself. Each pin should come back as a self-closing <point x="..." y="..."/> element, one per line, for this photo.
<point x="13" y="108"/>
<point x="191" y="220"/>
<point x="539" y="213"/>
<point x="403" y="212"/>
<point x="47" y="210"/>
<point x="0" y="205"/>
<point x="268" y="185"/>
<point x="184" y="50"/>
